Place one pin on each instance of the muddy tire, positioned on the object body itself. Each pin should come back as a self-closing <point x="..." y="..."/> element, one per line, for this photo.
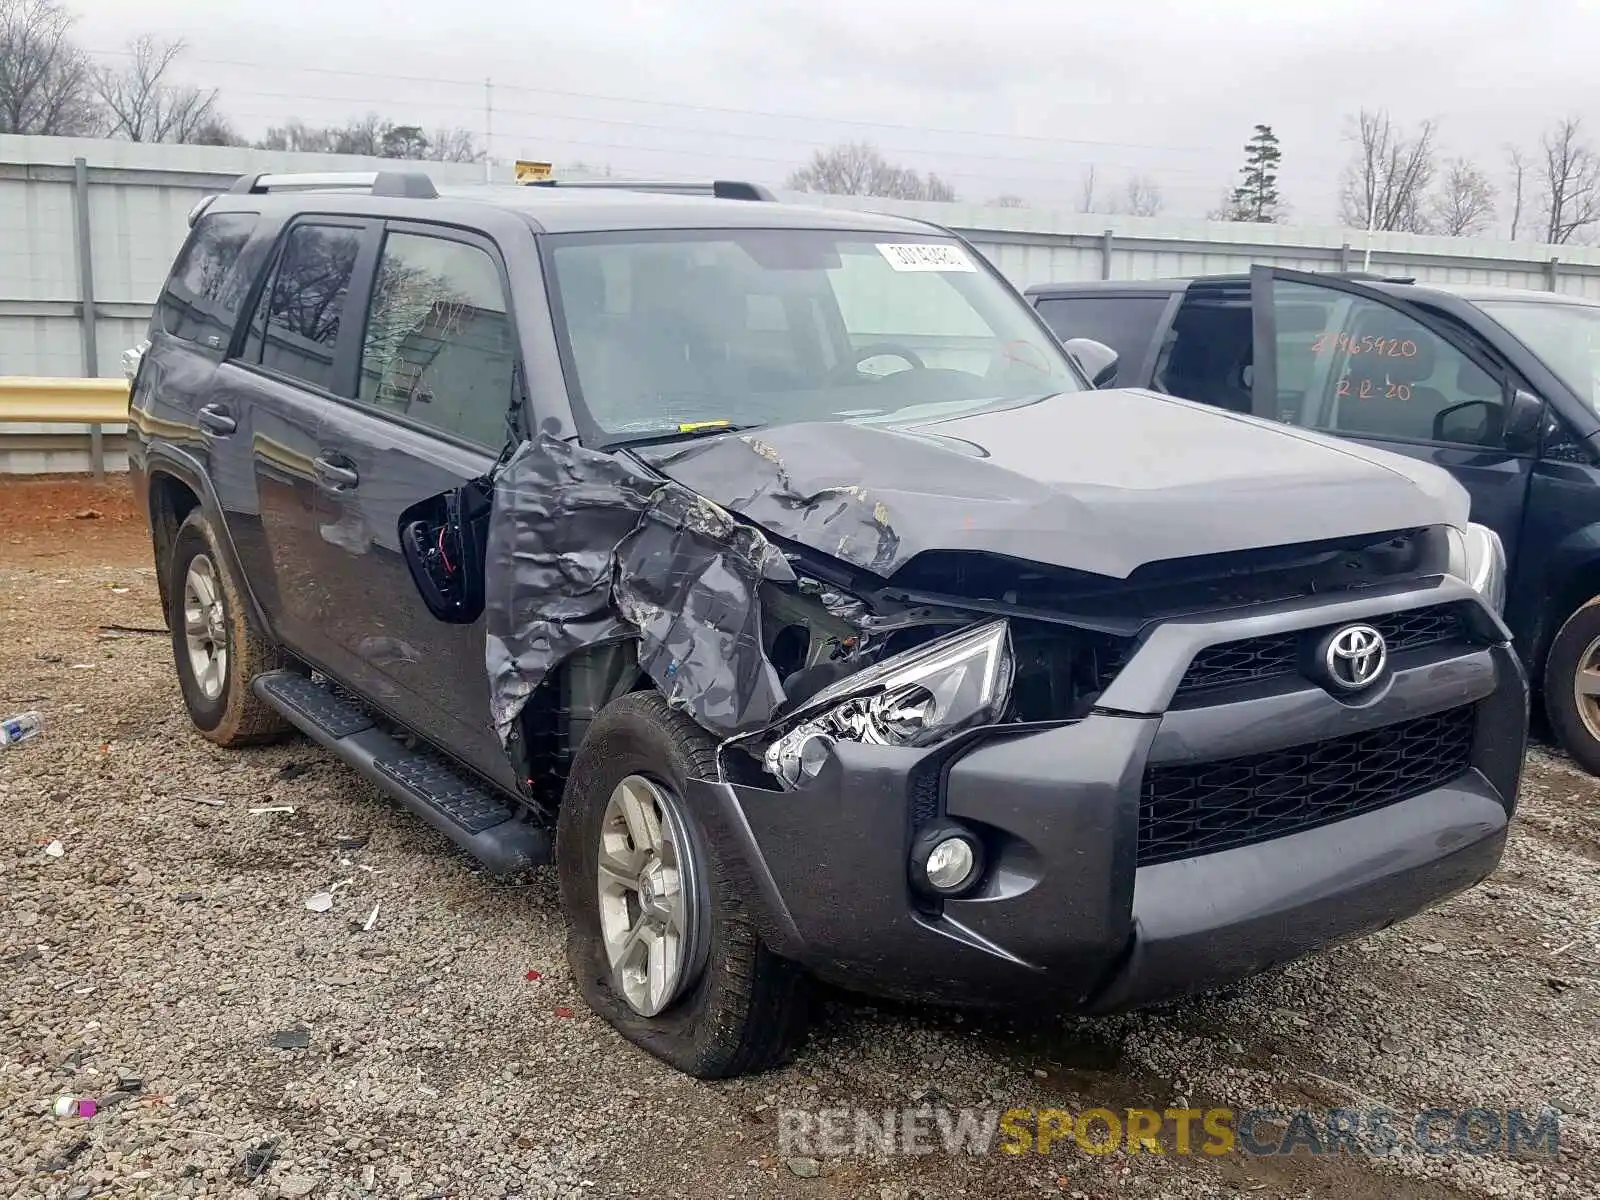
<point x="725" y="1005"/>
<point x="1572" y="686"/>
<point x="214" y="648"/>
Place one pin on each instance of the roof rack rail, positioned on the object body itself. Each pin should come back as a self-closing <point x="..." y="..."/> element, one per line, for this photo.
<point x="722" y="189"/>
<point x="1371" y="277"/>
<point x="411" y="185"/>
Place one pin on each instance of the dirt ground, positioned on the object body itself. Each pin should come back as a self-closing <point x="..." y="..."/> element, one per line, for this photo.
<point x="165" y="963"/>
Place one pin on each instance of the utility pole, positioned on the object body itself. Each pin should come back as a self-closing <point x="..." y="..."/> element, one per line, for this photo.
<point x="488" y="130"/>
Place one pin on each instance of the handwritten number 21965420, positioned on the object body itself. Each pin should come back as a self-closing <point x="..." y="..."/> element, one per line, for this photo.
<point x="1328" y="343"/>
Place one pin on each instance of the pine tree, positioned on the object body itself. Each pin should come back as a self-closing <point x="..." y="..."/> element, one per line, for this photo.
<point x="1256" y="199"/>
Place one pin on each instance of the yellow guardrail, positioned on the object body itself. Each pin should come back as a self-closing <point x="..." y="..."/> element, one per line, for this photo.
<point x="63" y="401"/>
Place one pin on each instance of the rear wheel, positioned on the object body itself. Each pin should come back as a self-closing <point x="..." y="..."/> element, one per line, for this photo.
<point x="215" y="650"/>
<point x="1572" y="686"/>
<point x="658" y="939"/>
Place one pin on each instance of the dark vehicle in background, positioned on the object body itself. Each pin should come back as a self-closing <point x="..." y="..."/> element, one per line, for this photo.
<point x="1500" y="387"/>
<point x="776" y="573"/>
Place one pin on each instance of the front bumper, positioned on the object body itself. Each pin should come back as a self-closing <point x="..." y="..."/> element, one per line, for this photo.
<point x="1066" y="915"/>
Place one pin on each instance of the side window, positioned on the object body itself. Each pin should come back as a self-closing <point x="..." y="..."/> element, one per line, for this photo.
<point x="201" y="300"/>
<point x="1125" y="323"/>
<point x="1351" y="364"/>
<point x="298" y="318"/>
<point x="438" y="347"/>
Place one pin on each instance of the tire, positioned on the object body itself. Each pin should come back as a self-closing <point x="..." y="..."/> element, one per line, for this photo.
<point x="221" y="706"/>
<point x="1576" y="642"/>
<point x="746" y="1009"/>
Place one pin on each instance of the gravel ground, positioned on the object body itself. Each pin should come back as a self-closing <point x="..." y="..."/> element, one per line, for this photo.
<point x="154" y="963"/>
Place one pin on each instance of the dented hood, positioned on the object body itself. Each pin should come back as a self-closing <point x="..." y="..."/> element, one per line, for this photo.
<point x="1101" y="481"/>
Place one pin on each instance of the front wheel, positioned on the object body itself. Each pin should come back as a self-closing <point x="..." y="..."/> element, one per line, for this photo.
<point x="1572" y="686"/>
<point x="658" y="939"/>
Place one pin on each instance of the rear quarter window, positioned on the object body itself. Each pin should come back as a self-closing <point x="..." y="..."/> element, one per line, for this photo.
<point x="209" y="281"/>
<point x="1125" y="323"/>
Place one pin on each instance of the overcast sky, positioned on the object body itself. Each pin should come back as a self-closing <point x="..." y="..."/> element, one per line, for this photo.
<point x="1012" y="96"/>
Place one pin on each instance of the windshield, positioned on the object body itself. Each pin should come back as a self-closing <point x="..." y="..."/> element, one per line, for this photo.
<point x="681" y="331"/>
<point x="1565" y="336"/>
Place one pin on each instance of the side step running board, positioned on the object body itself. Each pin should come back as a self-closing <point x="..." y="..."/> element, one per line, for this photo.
<point x="475" y="817"/>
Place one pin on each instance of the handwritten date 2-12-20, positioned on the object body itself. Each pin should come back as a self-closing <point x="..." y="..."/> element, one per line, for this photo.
<point x="1328" y="343"/>
<point x="1368" y="390"/>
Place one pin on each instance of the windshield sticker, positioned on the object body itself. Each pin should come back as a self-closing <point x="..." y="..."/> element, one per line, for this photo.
<point x="929" y="256"/>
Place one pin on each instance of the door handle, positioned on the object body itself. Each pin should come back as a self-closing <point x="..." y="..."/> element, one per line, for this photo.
<point x="214" y="419"/>
<point x="335" y="476"/>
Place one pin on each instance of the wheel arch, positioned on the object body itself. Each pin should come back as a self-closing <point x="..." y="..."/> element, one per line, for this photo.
<point x="177" y="484"/>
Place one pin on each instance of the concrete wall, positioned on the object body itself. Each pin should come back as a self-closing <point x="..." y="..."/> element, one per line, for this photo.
<point x="130" y="203"/>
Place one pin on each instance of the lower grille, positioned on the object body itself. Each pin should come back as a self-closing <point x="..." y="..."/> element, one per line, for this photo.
<point x="1277" y="654"/>
<point x="1191" y="809"/>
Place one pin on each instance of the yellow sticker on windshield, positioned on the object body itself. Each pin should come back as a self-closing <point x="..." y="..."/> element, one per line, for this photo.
<point x="692" y="426"/>
<point x="926" y="256"/>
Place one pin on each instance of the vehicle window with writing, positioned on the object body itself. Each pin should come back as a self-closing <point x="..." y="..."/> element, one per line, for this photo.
<point x="201" y="301"/>
<point x="307" y="302"/>
<point x="1352" y="365"/>
<point x="438" y="347"/>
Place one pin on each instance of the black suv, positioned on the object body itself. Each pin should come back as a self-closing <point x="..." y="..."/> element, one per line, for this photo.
<point x="1500" y="387"/>
<point x="778" y="573"/>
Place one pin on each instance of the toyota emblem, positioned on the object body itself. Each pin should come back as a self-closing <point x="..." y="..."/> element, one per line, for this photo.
<point x="1354" y="657"/>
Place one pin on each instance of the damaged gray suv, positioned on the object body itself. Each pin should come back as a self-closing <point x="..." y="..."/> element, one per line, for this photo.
<point x="777" y="575"/>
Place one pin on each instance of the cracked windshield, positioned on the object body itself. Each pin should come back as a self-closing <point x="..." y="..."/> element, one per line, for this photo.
<point x="674" y="333"/>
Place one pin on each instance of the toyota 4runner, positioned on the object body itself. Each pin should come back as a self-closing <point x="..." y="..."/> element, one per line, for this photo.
<point x="777" y="574"/>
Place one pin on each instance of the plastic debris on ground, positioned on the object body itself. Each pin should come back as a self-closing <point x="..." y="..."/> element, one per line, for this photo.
<point x="15" y="730"/>
<point x="320" y="903"/>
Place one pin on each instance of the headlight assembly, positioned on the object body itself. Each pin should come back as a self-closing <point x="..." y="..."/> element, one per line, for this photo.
<point x="1478" y="559"/>
<point x="912" y="699"/>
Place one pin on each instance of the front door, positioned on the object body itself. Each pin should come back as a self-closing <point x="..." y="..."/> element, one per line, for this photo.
<point x="1347" y="359"/>
<point x="436" y="384"/>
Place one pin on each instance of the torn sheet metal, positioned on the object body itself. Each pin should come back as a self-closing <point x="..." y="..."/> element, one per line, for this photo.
<point x="586" y="547"/>
<point x="688" y="578"/>
<point x="559" y="512"/>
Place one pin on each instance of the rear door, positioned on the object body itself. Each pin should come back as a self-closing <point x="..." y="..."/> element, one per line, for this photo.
<point x="437" y="377"/>
<point x="1352" y="360"/>
<point x="298" y="355"/>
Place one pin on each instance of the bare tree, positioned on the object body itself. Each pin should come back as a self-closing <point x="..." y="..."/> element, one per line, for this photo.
<point x="142" y="106"/>
<point x="46" y="82"/>
<point x="1464" y="204"/>
<point x="1389" y="173"/>
<point x="1008" y="201"/>
<point x="1570" y="174"/>
<point x="1518" y="161"/>
<point x="858" y="169"/>
<point x="373" y="137"/>
<point x="1086" y="191"/>
<point x="455" y="145"/>
<point x="1142" y="197"/>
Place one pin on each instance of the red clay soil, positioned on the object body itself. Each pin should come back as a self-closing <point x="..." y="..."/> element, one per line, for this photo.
<point x="44" y="517"/>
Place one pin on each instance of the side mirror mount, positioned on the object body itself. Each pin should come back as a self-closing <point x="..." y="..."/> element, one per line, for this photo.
<point x="1096" y="360"/>
<point x="1524" y="421"/>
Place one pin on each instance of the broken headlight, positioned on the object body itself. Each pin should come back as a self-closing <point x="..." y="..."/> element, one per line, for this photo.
<point x="1478" y="559"/>
<point x="911" y="699"/>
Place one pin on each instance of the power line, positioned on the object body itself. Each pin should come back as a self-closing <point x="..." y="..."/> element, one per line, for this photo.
<point x="678" y="104"/>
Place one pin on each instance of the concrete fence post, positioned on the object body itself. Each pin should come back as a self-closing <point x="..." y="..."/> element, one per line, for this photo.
<point x="1551" y="270"/>
<point x="1108" y="243"/>
<point x="87" y="316"/>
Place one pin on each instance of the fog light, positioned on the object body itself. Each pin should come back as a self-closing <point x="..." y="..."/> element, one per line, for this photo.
<point x="946" y="860"/>
<point x="950" y="864"/>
